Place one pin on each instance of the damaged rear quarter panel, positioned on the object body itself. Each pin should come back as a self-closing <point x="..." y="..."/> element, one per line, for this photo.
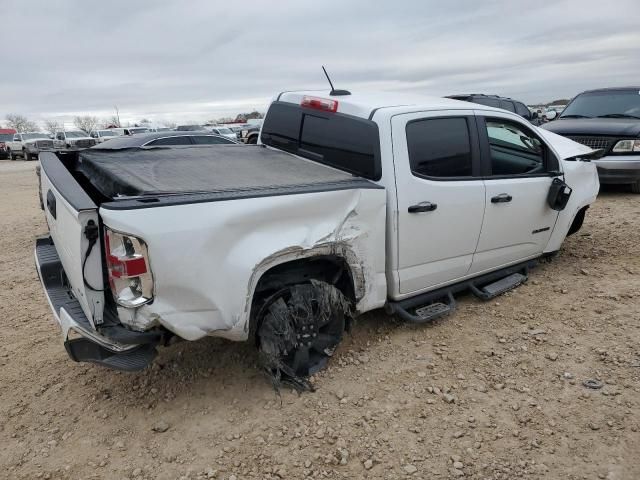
<point x="207" y="258"/>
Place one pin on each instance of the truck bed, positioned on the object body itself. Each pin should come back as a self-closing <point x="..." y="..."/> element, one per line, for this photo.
<point x="204" y="173"/>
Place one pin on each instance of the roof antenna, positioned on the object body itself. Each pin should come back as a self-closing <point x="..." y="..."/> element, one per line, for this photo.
<point x="333" y="91"/>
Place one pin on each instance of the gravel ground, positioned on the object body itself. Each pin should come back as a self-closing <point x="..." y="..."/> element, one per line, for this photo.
<point x="493" y="392"/>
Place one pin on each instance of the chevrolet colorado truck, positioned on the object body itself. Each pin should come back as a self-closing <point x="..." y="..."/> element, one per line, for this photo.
<point x="29" y="145"/>
<point x="350" y="203"/>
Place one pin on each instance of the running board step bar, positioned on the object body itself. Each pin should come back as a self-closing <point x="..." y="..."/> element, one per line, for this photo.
<point x="499" y="287"/>
<point x="425" y="313"/>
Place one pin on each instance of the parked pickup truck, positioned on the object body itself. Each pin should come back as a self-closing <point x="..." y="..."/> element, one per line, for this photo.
<point x="351" y="203"/>
<point x="29" y="145"/>
<point x="73" y="140"/>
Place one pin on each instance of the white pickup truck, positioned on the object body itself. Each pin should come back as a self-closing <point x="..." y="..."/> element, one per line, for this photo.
<point x="351" y="203"/>
<point x="72" y="140"/>
<point x="29" y="145"/>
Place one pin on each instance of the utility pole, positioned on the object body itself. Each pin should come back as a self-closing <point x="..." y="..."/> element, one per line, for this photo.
<point x="117" y="115"/>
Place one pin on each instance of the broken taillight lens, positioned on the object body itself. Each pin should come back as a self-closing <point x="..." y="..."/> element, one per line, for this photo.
<point x="128" y="269"/>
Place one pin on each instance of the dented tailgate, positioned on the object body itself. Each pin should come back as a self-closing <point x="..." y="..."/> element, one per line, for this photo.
<point x="69" y="211"/>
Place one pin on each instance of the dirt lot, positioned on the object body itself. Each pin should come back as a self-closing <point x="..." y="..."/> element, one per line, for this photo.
<point x="493" y="392"/>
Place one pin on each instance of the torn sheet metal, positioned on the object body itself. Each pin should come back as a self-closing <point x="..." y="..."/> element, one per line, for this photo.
<point x="207" y="264"/>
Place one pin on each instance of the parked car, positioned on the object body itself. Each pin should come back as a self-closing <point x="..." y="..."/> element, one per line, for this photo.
<point x="129" y="130"/>
<point x="29" y="145"/>
<point x="505" y="103"/>
<point x="222" y="131"/>
<point x="190" y="128"/>
<point x="73" y="139"/>
<point x="608" y="120"/>
<point x="352" y="203"/>
<point x="164" y="139"/>
<point x="6" y="136"/>
<point x="104" y="135"/>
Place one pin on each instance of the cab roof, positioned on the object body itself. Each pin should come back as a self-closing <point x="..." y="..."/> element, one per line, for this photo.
<point x="365" y="105"/>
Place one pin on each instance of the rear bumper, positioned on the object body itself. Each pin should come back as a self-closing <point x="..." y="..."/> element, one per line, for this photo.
<point x="618" y="169"/>
<point x="113" y="346"/>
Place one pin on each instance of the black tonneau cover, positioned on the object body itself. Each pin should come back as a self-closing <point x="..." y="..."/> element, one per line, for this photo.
<point x="224" y="171"/>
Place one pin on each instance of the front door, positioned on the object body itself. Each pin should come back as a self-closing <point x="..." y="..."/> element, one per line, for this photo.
<point x="440" y="197"/>
<point x="518" y="169"/>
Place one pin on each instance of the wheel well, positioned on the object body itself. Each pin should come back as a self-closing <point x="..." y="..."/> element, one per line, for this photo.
<point x="578" y="220"/>
<point x="327" y="268"/>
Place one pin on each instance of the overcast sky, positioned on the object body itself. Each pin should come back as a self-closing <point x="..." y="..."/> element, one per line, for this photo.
<point x="201" y="59"/>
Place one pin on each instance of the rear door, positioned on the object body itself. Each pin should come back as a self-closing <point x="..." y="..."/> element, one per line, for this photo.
<point x="69" y="211"/>
<point x="441" y="198"/>
<point x="518" y="169"/>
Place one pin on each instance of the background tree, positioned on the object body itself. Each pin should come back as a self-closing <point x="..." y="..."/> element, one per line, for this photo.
<point x="111" y="122"/>
<point x="52" y="126"/>
<point x="20" y="123"/>
<point x="86" y="123"/>
<point x="243" y="117"/>
<point x="171" y="125"/>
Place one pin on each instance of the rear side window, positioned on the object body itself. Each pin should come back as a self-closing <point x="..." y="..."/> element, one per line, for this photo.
<point x="507" y="105"/>
<point x="209" y="140"/>
<point x="522" y="110"/>
<point x="489" y="102"/>
<point x="439" y="147"/>
<point x="341" y="141"/>
<point x="184" y="140"/>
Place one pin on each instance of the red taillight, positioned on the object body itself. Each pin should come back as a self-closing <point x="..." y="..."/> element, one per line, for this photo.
<point x="128" y="269"/>
<point x="318" y="103"/>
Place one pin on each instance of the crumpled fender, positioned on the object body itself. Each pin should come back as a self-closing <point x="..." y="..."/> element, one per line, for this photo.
<point x="207" y="258"/>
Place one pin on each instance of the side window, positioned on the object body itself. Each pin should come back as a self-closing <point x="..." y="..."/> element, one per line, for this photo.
<point x="183" y="140"/>
<point x="439" y="147"/>
<point x="210" y="140"/>
<point x="489" y="102"/>
<point x="16" y="138"/>
<point x="513" y="149"/>
<point x="507" y="105"/>
<point x="523" y="111"/>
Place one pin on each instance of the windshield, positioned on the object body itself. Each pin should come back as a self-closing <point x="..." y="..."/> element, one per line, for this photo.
<point x="612" y="103"/>
<point x="31" y="136"/>
<point x="138" y="130"/>
<point x="75" y="134"/>
<point x="224" y="131"/>
<point x="106" y="133"/>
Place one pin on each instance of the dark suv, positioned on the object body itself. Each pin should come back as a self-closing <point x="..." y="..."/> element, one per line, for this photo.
<point x="608" y="120"/>
<point x="500" y="102"/>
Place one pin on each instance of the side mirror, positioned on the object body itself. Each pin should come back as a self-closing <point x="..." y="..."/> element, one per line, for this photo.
<point x="551" y="115"/>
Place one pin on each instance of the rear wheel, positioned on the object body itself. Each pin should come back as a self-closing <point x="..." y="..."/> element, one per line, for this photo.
<point x="299" y="328"/>
<point x="635" y="187"/>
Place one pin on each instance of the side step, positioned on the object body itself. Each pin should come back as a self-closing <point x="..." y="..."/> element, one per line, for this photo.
<point x="499" y="287"/>
<point x="426" y="313"/>
<point x="83" y="350"/>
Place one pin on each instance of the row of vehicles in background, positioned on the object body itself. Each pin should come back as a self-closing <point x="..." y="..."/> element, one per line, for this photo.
<point x="29" y="145"/>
